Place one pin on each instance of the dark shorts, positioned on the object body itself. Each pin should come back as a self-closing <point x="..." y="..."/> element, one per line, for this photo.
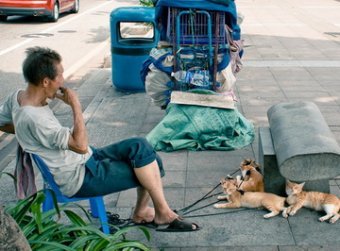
<point x="110" y="169"/>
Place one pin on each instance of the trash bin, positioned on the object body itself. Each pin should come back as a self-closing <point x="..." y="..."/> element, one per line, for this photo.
<point x="133" y="35"/>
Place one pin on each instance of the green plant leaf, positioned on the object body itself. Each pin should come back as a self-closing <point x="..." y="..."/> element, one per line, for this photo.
<point x="99" y="244"/>
<point x="88" y="216"/>
<point x="145" y="231"/>
<point x="54" y="199"/>
<point x="90" y="229"/>
<point x="44" y="231"/>
<point x="127" y="229"/>
<point x="29" y="227"/>
<point x="25" y="207"/>
<point x="75" y="218"/>
<point x="10" y="175"/>
<point x="36" y="211"/>
<point x="48" y="232"/>
<point x="83" y="241"/>
<point x="48" y="245"/>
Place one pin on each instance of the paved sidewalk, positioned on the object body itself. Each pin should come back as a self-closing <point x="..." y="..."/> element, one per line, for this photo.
<point x="292" y="53"/>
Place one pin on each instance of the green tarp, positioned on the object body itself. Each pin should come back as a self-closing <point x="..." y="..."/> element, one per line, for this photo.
<point x="201" y="128"/>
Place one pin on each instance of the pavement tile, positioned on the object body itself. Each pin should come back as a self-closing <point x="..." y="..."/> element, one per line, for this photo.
<point x="207" y="178"/>
<point x="308" y="94"/>
<point x="232" y="248"/>
<point x="309" y="248"/>
<point x="333" y="122"/>
<point x="255" y="74"/>
<point x="253" y="83"/>
<point x="273" y="45"/>
<point x="174" y="179"/>
<point x="308" y="230"/>
<point x="283" y="61"/>
<point x="259" y="101"/>
<point x="291" y="74"/>
<point x="324" y="74"/>
<point x="226" y="233"/>
<point x="227" y="161"/>
<point x="335" y="189"/>
<point x="174" y="161"/>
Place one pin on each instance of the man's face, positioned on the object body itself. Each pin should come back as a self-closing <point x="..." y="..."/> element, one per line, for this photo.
<point x="56" y="83"/>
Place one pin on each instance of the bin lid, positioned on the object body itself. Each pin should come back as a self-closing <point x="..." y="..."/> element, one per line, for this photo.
<point x="138" y="40"/>
<point x="133" y="14"/>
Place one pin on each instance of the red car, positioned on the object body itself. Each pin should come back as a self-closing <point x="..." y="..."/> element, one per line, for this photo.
<point x="49" y="8"/>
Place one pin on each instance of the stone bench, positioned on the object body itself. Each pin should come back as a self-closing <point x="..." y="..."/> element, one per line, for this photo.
<point x="299" y="146"/>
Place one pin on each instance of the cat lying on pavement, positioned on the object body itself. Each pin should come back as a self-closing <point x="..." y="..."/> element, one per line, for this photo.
<point x="238" y="198"/>
<point x="318" y="201"/>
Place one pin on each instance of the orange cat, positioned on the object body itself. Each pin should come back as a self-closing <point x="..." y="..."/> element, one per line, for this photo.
<point x="251" y="162"/>
<point x="252" y="179"/>
<point x="236" y="199"/>
<point x="298" y="198"/>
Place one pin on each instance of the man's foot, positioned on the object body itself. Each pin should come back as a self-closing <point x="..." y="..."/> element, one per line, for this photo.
<point x="143" y="216"/>
<point x="166" y="218"/>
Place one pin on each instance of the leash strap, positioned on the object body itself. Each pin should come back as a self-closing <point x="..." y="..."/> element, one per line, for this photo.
<point x="199" y="200"/>
<point x="227" y="212"/>
<point x="199" y="208"/>
<point x="206" y="196"/>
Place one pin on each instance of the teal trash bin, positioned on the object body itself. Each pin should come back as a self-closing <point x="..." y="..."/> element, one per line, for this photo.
<point x="133" y="35"/>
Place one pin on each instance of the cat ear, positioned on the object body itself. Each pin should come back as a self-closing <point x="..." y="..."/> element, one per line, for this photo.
<point x="302" y="184"/>
<point x="288" y="181"/>
<point x="246" y="162"/>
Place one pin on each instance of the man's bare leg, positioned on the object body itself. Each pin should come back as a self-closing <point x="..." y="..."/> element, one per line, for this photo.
<point x="150" y="179"/>
<point x="143" y="212"/>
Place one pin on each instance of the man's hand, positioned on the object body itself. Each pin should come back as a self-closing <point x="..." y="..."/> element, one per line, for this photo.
<point x="68" y="96"/>
<point x="78" y="141"/>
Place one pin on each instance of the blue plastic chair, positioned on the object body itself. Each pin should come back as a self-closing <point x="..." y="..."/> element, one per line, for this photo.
<point x="96" y="203"/>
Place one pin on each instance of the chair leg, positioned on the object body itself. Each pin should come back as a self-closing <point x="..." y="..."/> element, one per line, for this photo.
<point x="98" y="211"/>
<point x="48" y="202"/>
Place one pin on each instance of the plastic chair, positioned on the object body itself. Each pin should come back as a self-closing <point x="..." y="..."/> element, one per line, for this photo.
<point x="96" y="203"/>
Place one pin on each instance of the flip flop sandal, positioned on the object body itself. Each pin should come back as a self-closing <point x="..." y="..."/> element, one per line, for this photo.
<point x="150" y="224"/>
<point x="179" y="225"/>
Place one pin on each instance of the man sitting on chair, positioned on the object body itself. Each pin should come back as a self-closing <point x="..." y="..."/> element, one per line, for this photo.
<point x="81" y="171"/>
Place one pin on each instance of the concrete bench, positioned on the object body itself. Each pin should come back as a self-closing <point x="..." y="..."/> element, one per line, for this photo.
<point x="299" y="146"/>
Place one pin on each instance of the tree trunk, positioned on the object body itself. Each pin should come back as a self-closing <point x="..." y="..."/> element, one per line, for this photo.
<point x="11" y="237"/>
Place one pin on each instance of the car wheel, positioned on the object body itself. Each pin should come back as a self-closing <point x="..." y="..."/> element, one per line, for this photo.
<point x="55" y="13"/>
<point x="75" y="7"/>
<point x="3" y="18"/>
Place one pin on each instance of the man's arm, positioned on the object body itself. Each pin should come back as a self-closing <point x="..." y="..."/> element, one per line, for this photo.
<point x="9" y="128"/>
<point x="78" y="141"/>
<point x="6" y="121"/>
